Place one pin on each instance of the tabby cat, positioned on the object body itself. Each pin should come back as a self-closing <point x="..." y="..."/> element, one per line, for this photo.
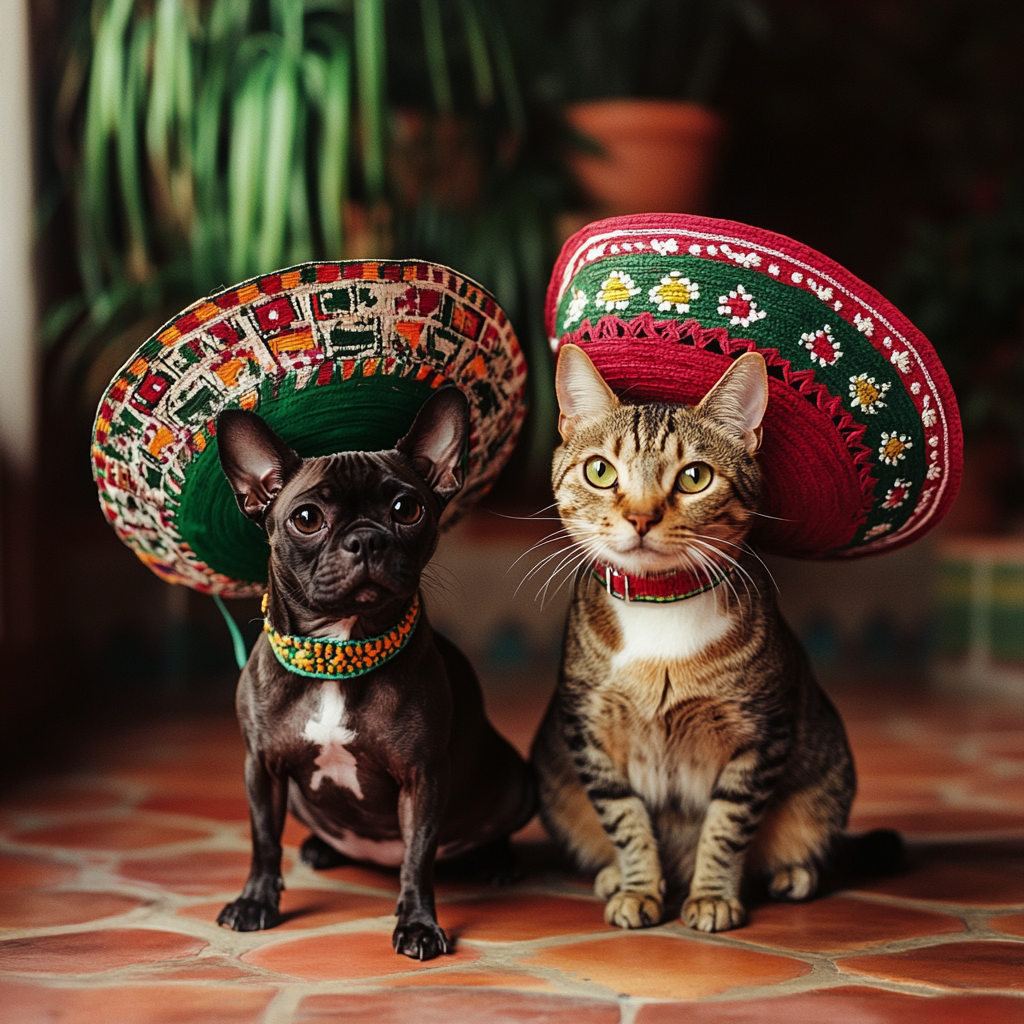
<point x="687" y="737"/>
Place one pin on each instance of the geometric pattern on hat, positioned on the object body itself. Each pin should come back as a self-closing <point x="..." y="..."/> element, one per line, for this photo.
<point x="862" y="449"/>
<point x="335" y="357"/>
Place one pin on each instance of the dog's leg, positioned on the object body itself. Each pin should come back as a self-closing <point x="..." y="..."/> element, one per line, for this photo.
<point x="257" y="907"/>
<point x="418" y="935"/>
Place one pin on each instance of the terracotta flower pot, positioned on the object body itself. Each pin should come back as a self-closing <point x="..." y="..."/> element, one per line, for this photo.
<point x="657" y="155"/>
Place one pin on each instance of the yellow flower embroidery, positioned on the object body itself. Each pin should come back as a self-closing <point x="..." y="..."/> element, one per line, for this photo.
<point x="674" y="291"/>
<point x="894" y="447"/>
<point x="616" y="291"/>
<point x="866" y="393"/>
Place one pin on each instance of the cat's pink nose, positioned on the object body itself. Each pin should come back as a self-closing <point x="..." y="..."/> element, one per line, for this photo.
<point x="643" y="521"/>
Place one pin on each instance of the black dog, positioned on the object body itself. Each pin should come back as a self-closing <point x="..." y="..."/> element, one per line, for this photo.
<point x="393" y="766"/>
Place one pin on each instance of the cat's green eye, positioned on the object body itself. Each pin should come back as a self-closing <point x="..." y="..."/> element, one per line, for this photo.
<point x="600" y="472"/>
<point x="694" y="478"/>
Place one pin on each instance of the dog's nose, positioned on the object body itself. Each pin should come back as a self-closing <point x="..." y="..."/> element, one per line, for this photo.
<point x="365" y="541"/>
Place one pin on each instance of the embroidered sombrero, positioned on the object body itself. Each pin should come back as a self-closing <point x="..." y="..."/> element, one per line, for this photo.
<point x="336" y="357"/>
<point x="862" y="447"/>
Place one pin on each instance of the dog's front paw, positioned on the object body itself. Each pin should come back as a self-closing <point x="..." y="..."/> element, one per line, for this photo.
<point x="713" y="913"/>
<point x="245" y="915"/>
<point x="633" y="910"/>
<point x="420" y="940"/>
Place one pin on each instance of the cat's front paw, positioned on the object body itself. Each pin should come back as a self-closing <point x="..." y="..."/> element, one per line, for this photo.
<point x="633" y="910"/>
<point x="713" y="913"/>
<point x="245" y="915"/>
<point x="798" y="882"/>
<point x="608" y="882"/>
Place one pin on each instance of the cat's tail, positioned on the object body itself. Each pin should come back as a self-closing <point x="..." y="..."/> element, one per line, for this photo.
<point x="871" y="855"/>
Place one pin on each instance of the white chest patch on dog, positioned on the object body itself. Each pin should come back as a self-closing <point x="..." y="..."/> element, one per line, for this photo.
<point x="330" y="733"/>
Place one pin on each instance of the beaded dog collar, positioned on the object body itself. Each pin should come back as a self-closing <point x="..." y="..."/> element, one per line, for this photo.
<point x="676" y="586"/>
<point x="331" y="658"/>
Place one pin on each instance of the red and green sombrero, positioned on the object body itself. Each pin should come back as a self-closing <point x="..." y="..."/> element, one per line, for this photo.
<point x="335" y="357"/>
<point x="862" y="448"/>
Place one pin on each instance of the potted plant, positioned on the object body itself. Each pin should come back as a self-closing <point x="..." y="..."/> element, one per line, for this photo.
<point x="638" y="79"/>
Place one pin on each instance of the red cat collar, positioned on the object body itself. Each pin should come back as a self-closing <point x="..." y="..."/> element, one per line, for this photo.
<point x="663" y="588"/>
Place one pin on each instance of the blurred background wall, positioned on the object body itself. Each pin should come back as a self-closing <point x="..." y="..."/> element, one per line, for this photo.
<point x="179" y="145"/>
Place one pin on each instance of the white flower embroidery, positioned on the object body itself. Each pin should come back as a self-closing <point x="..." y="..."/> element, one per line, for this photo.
<point x="741" y="307"/>
<point x="897" y="494"/>
<point x="877" y="531"/>
<point x="934" y="471"/>
<point x="576" y="306"/>
<point x="616" y="291"/>
<point x="901" y="360"/>
<point x="888" y="342"/>
<point x="928" y="414"/>
<point x="694" y="250"/>
<point x="894" y="447"/>
<point x="866" y="393"/>
<point x="823" y="347"/>
<point x="744" y="259"/>
<point x="675" y="291"/>
<point x="597" y="251"/>
<point x="712" y="250"/>
<point x="774" y="269"/>
<point x="796" y="277"/>
<point x="824" y="293"/>
<point x="864" y="324"/>
<point x="915" y="388"/>
<point x="662" y="247"/>
<point x="837" y="305"/>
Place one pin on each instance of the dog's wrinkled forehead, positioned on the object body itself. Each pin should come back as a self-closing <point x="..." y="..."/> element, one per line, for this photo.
<point x="354" y="482"/>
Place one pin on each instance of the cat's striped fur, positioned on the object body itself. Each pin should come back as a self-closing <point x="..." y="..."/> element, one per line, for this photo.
<point x="687" y="739"/>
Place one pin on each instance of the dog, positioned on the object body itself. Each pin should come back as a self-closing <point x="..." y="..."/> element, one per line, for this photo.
<point x="398" y="764"/>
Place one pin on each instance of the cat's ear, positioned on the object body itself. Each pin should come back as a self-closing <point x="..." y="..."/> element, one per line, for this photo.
<point x="739" y="398"/>
<point x="582" y="393"/>
<point x="436" y="441"/>
<point x="255" y="460"/>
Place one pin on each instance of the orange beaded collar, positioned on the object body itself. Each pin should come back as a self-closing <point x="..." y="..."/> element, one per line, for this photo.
<point x="331" y="658"/>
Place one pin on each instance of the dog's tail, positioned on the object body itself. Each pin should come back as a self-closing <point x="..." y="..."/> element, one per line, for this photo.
<point x="871" y="855"/>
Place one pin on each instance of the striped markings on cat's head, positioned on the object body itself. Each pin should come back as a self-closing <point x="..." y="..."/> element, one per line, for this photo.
<point x="653" y="488"/>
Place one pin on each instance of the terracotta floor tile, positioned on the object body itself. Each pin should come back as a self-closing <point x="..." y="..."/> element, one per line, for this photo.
<point x="453" y="1006"/>
<point x="1010" y="924"/>
<point x="353" y="955"/>
<point x="955" y="965"/>
<point x="137" y="1004"/>
<point x="90" y="952"/>
<point x="840" y="924"/>
<point x="473" y="979"/>
<point x="666" y="967"/>
<point x="45" y="909"/>
<point x="937" y="822"/>
<point x="131" y="833"/>
<point x="220" y="808"/>
<point x="971" y="879"/>
<point x="995" y="788"/>
<point x="205" y="968"/>
<point x="385" y="879"/>
<point x="310" y="908"/>
<point x="844" y="1005"/>
<point x="294" y="834"/>
<point x="194" y="874"/>
<point x="18" y="872"/>
<point x="190" y="778"/>
<point x="510" y="918"/>
<point x="56" y="796"/>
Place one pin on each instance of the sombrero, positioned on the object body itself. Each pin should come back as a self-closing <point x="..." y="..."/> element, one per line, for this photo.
<point x="862" y="448"/>
<point x="336" y="357"/>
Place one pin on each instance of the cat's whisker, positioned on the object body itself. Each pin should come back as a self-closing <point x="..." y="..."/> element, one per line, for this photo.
<point x="547" y="558"/>
<point x="572" y="575"/>
<point x="558" y="568"/>
<point x="745" y="576"/>
<point x="551" y="538"/>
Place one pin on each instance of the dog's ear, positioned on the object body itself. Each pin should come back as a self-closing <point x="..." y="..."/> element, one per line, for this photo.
<point x="255" y="460"/>
<point x="437" y="440"/>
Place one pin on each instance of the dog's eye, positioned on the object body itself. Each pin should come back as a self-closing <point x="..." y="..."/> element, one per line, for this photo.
<point x="308" y="519"/>
<point x="406" y="511"/>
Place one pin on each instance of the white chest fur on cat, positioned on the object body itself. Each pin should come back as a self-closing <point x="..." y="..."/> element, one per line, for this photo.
<point x="670" y="631"/>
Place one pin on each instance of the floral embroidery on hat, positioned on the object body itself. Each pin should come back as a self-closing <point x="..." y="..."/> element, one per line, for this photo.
<point x="894" y="447"/>
<point x="675" y="292"/>
<point x="616" y="291"/>
<point x="901" y="360"/>
<point x="576" y="306"/>
<point x="877" y="531"/>
<point x="928" y="414"/>
<point x="897" y="494"/>
<point x="823" y="347"/>
<point x="864" y="324"/>
<point x="662" y="247"/>
<point x="741" y="307"/>
<point x="866" y="393"/>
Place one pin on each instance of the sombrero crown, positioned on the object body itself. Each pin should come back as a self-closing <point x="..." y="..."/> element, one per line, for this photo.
<point x="862" y="447"/>
<point x="335" y="357"/>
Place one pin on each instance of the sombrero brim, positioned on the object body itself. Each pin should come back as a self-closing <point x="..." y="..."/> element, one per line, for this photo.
<point x="862" y="449"/>
<point x="336" y="357"/>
